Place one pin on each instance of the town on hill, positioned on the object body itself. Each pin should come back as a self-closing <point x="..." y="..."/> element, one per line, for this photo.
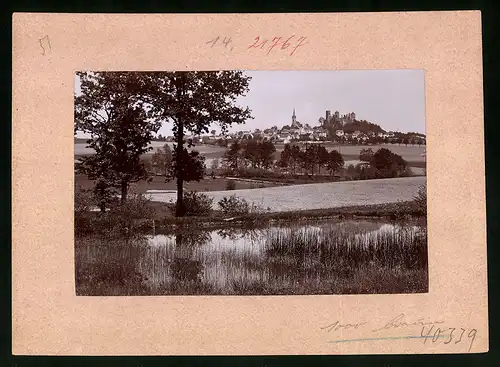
<point x="337" y="128"/>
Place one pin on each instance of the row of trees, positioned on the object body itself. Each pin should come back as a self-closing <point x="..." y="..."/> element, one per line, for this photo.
<point x="260" y="154"/>
<point x="311" y="159"/>
<point x="257" y="154"/>
<point x="374" y="140"/>
<point x="123" y="111"/>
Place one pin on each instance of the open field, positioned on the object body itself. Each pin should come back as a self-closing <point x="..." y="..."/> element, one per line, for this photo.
<point x="158" y="183"/>
<point x="81" y="148"/>
<point x="321" y="195"/>
<point x="412" y="154"/>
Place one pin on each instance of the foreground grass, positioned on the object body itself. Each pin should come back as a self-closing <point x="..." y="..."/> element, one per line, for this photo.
<point x="366" y="280"/>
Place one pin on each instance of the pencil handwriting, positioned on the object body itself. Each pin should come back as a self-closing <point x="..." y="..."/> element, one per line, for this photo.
<point x="400" y="321"/>
<point x="44" y="41"/>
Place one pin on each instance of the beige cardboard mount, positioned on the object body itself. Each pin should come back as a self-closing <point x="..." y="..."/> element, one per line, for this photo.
<point x="47" y="316"/>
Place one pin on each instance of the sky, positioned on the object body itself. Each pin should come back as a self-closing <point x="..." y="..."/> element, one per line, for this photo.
<point x="393" y="99"/>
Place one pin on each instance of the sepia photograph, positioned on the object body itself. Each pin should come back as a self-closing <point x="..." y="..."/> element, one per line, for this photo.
<point x="245" y="182"/>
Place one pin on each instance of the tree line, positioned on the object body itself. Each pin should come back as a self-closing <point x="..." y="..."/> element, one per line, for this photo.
<point x="260" y="154"/>
<point x="253" y="153"/>
<point x="310" y="159"/>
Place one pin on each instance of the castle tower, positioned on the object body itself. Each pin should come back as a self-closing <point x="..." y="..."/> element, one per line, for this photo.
<point x="328" y="115"/>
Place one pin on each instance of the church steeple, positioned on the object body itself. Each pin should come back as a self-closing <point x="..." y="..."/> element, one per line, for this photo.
<point x="293" y="116"/>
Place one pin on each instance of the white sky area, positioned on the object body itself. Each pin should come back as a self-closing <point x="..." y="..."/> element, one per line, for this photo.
<point x="393" y="99"/>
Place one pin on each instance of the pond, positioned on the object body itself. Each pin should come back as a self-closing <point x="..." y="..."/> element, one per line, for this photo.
<point x="313" y="257"/>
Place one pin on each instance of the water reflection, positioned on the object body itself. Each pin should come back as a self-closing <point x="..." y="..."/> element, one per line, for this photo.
<point x="290" y="258"/>
<point x="315" y="257"/>
<point x="185" y="266"/>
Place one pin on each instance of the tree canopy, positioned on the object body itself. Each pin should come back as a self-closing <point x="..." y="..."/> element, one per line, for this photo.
<point x="193" y="100"/>
<point x="113" y="110"/>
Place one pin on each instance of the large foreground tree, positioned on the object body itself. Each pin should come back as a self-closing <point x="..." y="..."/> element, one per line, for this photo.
<point x="111" y="108"/>
<point x="192" y="101"/>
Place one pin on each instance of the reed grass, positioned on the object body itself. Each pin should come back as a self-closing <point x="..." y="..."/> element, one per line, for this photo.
<point x="397" y="247"/>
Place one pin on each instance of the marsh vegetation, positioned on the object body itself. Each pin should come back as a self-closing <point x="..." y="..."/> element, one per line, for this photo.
<point x="303" y="257"/>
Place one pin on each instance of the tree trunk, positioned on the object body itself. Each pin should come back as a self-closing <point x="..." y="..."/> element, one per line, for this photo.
<point x="124" y="192"/>
<point x="180" y="208"/>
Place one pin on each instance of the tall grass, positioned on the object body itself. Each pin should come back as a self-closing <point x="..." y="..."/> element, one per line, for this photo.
<point x="108" y="266"/>
<point x="394" y="248"/>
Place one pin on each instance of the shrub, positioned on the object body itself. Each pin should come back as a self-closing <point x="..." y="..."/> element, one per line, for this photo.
<point x="132" y="214"/>
<point x="129" y="217"/>
<point x="365" y="172"/>
<point x="250" y="172"/>
<point x="351" y="170"/>
<point x="197" y="204"/>
<point x="366" y="155"/>
<point x="230" y="185"/>
<point x="215" y="164"/>
<point x="388" y="163"/>
<point x="420" y="200"/>
<point x="407" y="172"/>
<point x="232" y="205"/>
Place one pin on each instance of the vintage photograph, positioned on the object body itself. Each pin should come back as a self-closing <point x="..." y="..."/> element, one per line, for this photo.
<point x="245" y="182"/>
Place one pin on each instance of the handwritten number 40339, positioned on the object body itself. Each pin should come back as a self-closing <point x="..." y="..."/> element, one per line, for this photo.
<point x="448" y="335"/>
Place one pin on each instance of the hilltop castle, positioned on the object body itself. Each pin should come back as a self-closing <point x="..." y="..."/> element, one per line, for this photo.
<point x="337" y="119"/>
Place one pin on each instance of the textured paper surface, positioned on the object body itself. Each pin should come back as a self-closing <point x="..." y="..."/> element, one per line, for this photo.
<point x="47" y="316"/>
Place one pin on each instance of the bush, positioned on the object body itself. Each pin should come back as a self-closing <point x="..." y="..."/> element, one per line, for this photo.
<point x="230" y="185"/>
<point x="197" y="204"/>
<point x="351" y="170"/>
<point x="135" y="214"/>
<point x="420" y="200"/>
<point x="407" y="172"/>
<point x="232" y="205"/>
<point x="250" y="172"/>
<point x="132" y="214"/>
<point x="366" y="155"/>
<point x="365" y="172"/>
<point x="388" y="163"/>
<point x="215" y="164"/>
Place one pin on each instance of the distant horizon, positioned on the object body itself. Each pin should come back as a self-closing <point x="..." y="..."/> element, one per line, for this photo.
<point x="392" y="99"/>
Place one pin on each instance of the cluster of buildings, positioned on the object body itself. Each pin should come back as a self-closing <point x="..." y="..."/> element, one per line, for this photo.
<point x="295" y="131"/>
<point x="333" y="123"/>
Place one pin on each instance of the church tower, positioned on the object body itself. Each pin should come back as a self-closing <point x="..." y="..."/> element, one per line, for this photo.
<point x="294" y="118"/>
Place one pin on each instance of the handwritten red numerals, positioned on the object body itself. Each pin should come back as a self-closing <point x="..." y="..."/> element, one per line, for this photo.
<point x="279" y="43"/>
